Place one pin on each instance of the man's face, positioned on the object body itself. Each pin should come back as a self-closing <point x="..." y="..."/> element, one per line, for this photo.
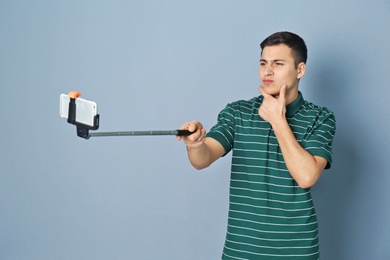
<point x="277" y="68"/>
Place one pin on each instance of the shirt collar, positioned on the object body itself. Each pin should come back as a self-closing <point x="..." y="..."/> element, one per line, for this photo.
<point x="292" y="108"/>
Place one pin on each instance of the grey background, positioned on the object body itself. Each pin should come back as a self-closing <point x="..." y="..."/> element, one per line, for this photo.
<point x="155" y="65"/>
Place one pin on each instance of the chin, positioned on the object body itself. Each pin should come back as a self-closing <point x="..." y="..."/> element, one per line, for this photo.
<point x="271" y="90"/>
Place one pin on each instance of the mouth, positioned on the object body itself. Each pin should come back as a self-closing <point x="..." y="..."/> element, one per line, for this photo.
<point x="267" y="81"/>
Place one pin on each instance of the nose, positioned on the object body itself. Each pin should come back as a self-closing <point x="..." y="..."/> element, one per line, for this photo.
<point x="267" y="70"/>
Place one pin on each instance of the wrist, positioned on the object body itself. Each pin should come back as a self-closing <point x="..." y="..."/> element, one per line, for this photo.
<point x="195" y="146"/>
<point x="279" y="125"/>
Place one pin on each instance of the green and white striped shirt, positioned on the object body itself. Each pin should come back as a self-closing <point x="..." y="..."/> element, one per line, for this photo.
<point x="270" y="216"/>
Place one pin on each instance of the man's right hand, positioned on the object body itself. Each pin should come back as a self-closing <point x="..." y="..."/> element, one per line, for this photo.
<point x="197" y="138"/>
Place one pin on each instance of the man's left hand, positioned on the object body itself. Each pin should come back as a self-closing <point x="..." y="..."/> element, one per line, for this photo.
<point x="273" y="108"/>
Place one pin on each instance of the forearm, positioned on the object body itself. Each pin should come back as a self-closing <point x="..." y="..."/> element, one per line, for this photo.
<point x="303" y="167"/>
<point x="200" y="157"/>
<point x="204" y="154"/>
<point x="202" y="151"/>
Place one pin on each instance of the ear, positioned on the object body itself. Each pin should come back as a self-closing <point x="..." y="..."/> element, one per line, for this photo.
<point x="301" y="70"/>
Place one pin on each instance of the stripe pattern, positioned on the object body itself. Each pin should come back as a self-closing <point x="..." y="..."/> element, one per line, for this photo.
<point x="270" y="216"/>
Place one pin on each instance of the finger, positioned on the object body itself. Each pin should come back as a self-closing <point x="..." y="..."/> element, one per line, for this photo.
<point x="282" y="92"/>
<point x="192" y="126"/>
<point x="196" y="128"/>
<point x="199" y="137"/>
<point x="262" y="91"/>
<point x="200" y="133"/>
<point x="185" y="126"/>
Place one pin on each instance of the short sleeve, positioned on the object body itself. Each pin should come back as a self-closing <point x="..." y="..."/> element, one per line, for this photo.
<point x="224" y="129"/>
<point x="320" y="138"/>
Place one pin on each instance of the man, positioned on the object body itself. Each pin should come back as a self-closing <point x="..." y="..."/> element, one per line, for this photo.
<point x="281" y="144"/>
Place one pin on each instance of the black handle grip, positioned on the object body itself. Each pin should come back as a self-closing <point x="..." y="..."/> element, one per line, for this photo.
<point x="184" y="133"/>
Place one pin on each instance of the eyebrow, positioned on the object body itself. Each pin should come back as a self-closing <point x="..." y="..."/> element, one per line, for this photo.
<point x="277" y="60"/>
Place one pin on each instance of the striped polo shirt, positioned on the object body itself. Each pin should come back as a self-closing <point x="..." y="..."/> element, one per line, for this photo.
<point x="270" y="216"/>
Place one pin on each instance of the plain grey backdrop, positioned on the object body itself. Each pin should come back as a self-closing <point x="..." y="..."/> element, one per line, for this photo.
<point x="154" y="65"/>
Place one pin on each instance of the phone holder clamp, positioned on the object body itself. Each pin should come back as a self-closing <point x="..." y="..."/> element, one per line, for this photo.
<point x="82" y="129"/>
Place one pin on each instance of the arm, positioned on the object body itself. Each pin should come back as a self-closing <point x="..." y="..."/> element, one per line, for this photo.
<point x="202" y="151"/>
<point x="303" y="167"/>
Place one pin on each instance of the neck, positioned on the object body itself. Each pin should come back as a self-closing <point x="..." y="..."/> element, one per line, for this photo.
<point x="291" y="96"/>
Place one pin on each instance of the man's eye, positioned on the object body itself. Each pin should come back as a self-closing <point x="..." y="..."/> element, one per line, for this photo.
<point x="279" y="64"/>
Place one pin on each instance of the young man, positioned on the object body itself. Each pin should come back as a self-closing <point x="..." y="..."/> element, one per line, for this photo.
<point x="281" y="144"/>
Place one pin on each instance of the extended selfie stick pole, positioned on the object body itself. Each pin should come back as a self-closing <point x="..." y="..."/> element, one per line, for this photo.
<point x="140" y="133"/>
<point x="83" y="130"/>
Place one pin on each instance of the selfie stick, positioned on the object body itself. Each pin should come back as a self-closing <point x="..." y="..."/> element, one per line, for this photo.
<point x="83" y="129"/>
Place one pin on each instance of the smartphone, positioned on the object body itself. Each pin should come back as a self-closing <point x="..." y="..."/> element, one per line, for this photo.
<point x="85" y="110"/>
